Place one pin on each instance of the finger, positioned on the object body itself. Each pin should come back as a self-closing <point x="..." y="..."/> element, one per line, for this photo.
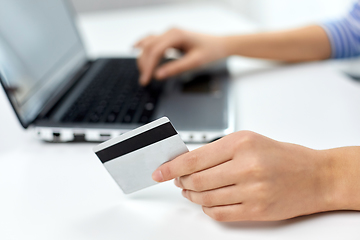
<point x="188" y="62"/>
<point x="142" y="61"/>
<point x="202" y="158"/>
<point x="144" y="42"/>
<point x="219" y="197"/>
<point x="145" y="73"/>
<point x="152" y="54"/>
<point x="228" y="213"/>
<point x="212" y="178"/>
<point x="141" y="43"/>
<point x="143" y="78"/>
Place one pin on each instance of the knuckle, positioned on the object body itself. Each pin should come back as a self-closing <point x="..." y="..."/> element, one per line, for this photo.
<point x="261" y="189"/>
<point x="256" y="170"/>
<point x="147" y="45"/>
<point x="207" y="200"/>
<point x="175" y="30"/>
<point x="260" y="209"/>
<point x="196" y="182"/>
<point x="260" y="212"/>
<point x="247" y="139"/>
<point x="153" y="53"/>
<point x="191" y="162"/>
<point x="177" y="33"/>
<point x="199" y="60"/>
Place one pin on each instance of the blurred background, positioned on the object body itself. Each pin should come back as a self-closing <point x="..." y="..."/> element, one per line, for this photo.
<point x="262" y="15"/>
<point x="268" y="13"/>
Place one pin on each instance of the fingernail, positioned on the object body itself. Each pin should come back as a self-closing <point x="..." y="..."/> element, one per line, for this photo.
<point x="157" y="176"/>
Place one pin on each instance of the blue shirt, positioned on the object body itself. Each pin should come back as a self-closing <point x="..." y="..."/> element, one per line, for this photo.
<point x="344" y="34"/>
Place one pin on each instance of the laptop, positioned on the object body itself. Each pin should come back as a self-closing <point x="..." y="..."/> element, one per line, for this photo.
<point x="58" y="92"/>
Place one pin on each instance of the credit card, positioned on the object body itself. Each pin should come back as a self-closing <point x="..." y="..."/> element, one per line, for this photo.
<point x="132" y="157"/>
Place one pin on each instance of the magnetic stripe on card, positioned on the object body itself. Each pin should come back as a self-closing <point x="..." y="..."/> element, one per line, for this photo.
<point x="137" y="142"/>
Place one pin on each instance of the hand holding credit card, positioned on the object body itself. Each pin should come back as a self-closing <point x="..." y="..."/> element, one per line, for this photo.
<point x="132" y="157"/>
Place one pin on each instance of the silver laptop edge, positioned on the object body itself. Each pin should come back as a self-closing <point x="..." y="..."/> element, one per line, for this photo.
<point x="53" y="134"/>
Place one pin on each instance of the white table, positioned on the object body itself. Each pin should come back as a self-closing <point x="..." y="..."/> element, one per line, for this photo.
<point x="61" y="191"/>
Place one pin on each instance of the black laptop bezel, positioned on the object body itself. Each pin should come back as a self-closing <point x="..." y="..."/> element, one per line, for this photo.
<point x="23" y="124"/>
<point x="54" y="98"/>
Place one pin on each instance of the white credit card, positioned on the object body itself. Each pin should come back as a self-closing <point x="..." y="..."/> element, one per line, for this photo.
<point x="132" y="157"/>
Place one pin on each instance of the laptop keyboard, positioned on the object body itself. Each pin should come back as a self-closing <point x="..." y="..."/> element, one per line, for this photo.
<point x="114" y="96"/>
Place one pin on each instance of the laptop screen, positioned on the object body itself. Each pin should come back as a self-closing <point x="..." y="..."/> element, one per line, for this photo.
<point x="39" y="51"/>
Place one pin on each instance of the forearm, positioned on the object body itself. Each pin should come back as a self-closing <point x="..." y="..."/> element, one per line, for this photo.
<point x="344" y="173"/>
<point x="304" y="44"/>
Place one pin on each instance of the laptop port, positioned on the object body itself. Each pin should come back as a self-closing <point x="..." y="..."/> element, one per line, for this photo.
<point x="56" y="136"/>
<point x="105" y="135"/>
<point x="79" y="137"/>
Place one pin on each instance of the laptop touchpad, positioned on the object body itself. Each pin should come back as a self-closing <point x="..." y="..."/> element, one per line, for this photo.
<point x="199" y="84"/>
<point x="200" y="103"/>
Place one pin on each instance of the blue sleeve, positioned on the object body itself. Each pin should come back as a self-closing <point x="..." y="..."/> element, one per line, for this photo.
<point x="344" y="34"/>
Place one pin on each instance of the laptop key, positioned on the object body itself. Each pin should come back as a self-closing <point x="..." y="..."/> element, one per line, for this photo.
<point x="94" y="118"/>
<point x="127" y="118"/>
<point x="111" y="118"/>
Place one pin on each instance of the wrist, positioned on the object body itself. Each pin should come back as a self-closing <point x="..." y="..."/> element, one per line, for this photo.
<point x="328" y="192"/>
<point x="243" y="45"/>
<point x="342" y="178"/>
<point x="229" y="45"/>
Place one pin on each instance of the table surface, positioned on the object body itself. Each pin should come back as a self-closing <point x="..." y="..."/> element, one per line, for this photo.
<point x="62" y="191"/>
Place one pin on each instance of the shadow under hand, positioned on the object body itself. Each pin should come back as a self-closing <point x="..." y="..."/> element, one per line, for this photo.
<point x="160" y="193"/>
<point x="262" y="225"/>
